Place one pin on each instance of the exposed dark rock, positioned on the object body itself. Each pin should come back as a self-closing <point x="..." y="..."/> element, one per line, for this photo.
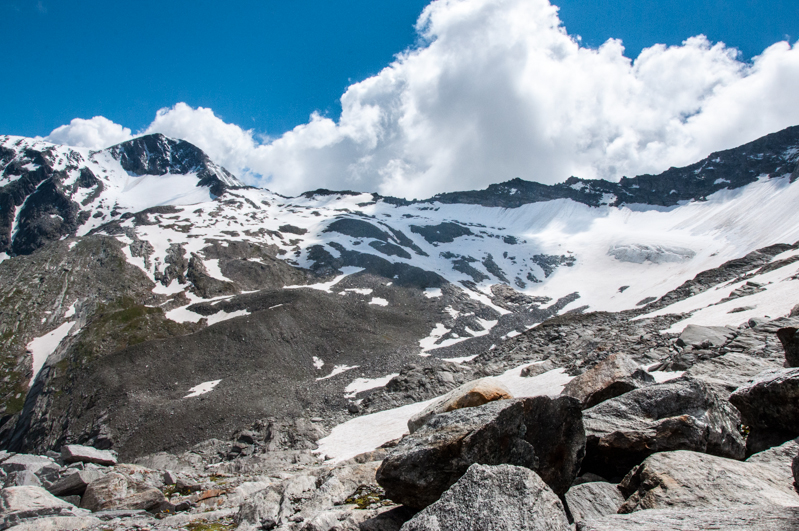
<point x="790" y="342"/>
<point x="770" y="406"/>
<point x="683" y="414"/>
<point x="442" y="233"/>
<point x="615" y="375"/>
<point x="501" y="498"/>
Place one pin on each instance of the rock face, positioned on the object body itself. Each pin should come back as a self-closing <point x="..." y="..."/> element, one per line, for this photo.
<point x="790" y="342"/>
<point x="727" y="519"/>
<point x="115" y="491"/>
<point x="470" y="394"/>
<point x="75" y="453"/>
<point x="593" y="500"/>
<point x="770" y="405"/>
<point x="615" y="375"/>
<point x="682" y="414"/>
<point x="21" y="503"/>
<point x="538" y="433"/>
<point x="499" y="498"/>
<point x="684" y="479"/>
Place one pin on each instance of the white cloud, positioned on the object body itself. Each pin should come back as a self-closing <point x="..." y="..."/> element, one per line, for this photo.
<point x="498" y="89"/>
<point x="97" y="133"/>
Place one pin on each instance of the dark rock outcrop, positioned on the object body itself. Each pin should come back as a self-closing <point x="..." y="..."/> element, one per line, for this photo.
<point x="790" y="342"/>
<point x="500" y="498"/>
<point x="769" y="405"/>
<point x="683" y="414"/>
<point x="539" y="433"/>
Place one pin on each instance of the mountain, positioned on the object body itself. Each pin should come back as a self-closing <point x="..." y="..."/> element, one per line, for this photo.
<point x="48" y="192"/>
<point x="134" y="274"/>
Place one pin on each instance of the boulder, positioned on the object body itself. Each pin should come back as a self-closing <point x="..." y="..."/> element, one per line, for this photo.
<point x="18" y="504"/>
<point x="687" y="480"/>
<point x="790" y="342"/>
<point x="538" y="368"/>
<point x="498" y="498"/>
<point x="725" y="519"/>
<point x="22" y="478"/>
<point x="115" y="491"/>
<point x="75" y="483"/>
<point x="26" y="462"/>
<point x="75" y="453"/>
<point x="697" y="336"/>
<point x="615" y="375"/>
<point x="727" y="373"/>
<point x="541" y="433"/>
<point x="470" y="394"/>
<point x="681" y="414"/>
<point x="769" y="405"/>
<point x="592" y="500"/>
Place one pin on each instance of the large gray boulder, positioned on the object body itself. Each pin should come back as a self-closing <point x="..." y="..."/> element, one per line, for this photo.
<point x="497" y="498"/>
<point x="593" y="500"/>
<point x="76" y="453"/>
<point x="471" y="394"/>
<point x="727" y="373"/>
<point x="682" y="414"/>
<point x="115" y="492"/>
<point x="769" y="405"/>
<point x="697" y="336"/>
<point x="75" y="483"/>
<point x="790" y="342"/>
<point x="540" y="433"/>
<point x="20" y="504"/>
<point x="724" y="519"/>
<point x="615" y="375"/>
<point x="27" y="462"/>
<point x="687" y="480"/>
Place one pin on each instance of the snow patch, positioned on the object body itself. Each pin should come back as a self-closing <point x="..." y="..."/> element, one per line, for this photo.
<point x="338" y="369"/>
<point x="41" y="347"/>
<point x="364" y="384"/>
<point x="70" y="311"/>
<point x="203" y="388"/>
<point x="325" y="286"/>
<point x="220" y="316"/>
<point x="378" y="301"/>
<point x="462" y="359"/>
<point x="318" y="362"/>
<point x="432" y="293"/>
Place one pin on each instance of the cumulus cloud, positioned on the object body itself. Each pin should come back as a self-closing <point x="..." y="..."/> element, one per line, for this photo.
<point x="498" y="89"/>
<point x="97" y="133"/>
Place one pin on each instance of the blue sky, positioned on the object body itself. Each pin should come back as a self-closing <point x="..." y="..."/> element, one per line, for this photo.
<point x="267" y="65"/>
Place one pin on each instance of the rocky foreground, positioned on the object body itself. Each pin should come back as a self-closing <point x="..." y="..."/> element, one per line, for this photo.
<point x="715" y="447"/>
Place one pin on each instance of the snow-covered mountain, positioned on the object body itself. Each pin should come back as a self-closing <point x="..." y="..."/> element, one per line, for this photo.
<point x="49" y="191"/>
<point x="147" y="258"/>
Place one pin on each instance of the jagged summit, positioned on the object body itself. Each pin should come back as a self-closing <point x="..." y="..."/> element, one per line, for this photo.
<point x="49" y="191"/>
<point x="156" y="154"/>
